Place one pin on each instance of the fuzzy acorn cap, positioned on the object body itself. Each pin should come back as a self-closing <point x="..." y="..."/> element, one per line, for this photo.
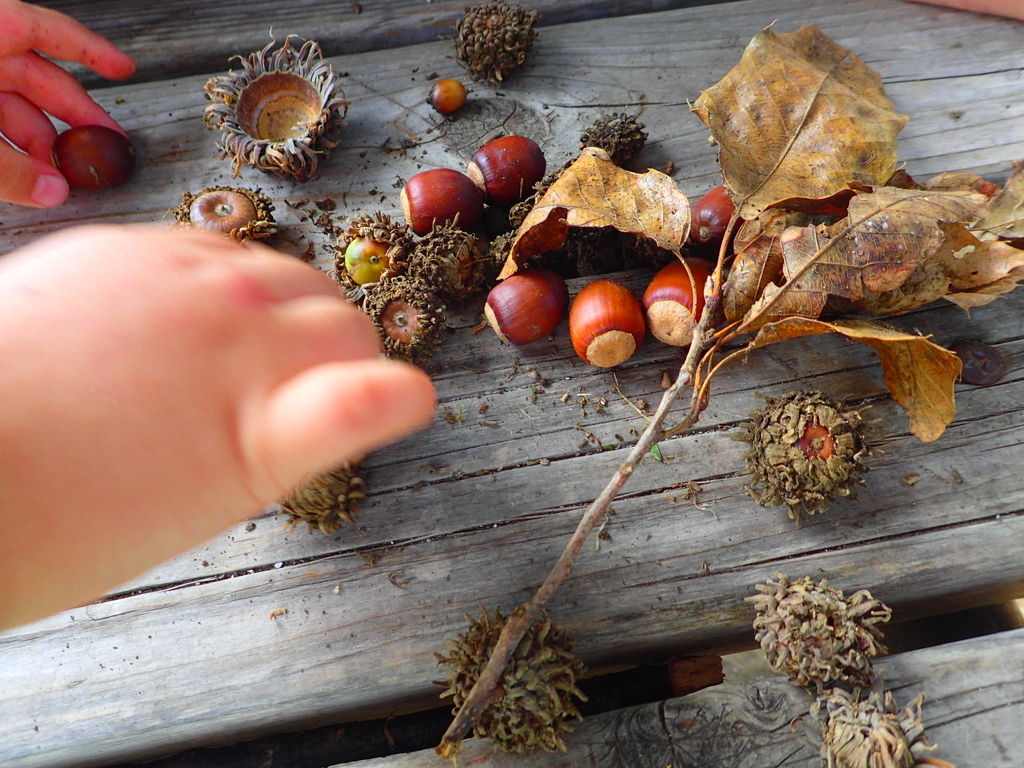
<point x="536" y="688"/>
<point x="494" y="38"/>
<point x="354" y="292"/>
<point x="381" y="228"/>
<point x="409" y="317"/>
<point x="238" y="213"/>
<point x="448" y="259"/>
<point x="621" y="136"/>
<point x="327" y="500"/>
<point x="281" y="114"/>
<point x="873" y="733"/>
<point x="817" y="635"/>
<point x="805" y="451"/>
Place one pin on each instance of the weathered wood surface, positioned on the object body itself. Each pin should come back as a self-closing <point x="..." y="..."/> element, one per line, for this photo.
<point x="465" y="512"/>
<point x="974" y="704"/>
<point x="181" y="37"/>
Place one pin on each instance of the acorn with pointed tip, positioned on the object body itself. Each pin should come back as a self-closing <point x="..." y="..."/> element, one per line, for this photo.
<point x="606" y="323"/>
<point x="527" y="306"/>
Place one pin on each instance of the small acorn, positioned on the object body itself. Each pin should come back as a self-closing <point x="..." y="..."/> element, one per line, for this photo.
<point x="439" y="196"/>
<point x="711" y="217"/>
<point x="409" y="318"/>
<point x="606" y="323"/>
<point x="93" y="157"/>
<point x="527" y="306"/>
<point x="447" y="95"/>
<point x="366" y="259"/>
<point x="674" y="301"/>
<point x="505" y="169"/>
<point x="241" y="214"/>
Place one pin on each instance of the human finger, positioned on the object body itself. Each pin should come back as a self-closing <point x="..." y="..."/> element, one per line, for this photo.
<point x="330" y="414"/>
<point x="28" y="181"/>
<point x="53" y="90"/>
<point x="32" y="27"/>
<point x="26" y="127"/>
<point x="314" y="330"/>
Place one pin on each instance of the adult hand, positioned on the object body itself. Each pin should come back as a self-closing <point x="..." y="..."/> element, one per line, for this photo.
<point x="32" y="87"/>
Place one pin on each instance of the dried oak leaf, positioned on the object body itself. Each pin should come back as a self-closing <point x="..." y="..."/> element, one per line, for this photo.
<point x="594" y="192"/>
<point x="867" y="259"/>
<point x="799" y="116"/>
<point x="1006" y="217"/>
<point x="919" y="374"/>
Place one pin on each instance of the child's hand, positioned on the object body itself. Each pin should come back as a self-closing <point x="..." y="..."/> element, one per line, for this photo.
<point x="159" y="385"/>
<point x="31" y="87"/>
<point x="1013" y="9"/>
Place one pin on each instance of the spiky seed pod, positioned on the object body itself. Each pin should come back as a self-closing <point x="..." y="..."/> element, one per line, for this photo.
<point x="448" y="259"/>
<point x="327" y="500"/>
<point x="409" y="318"/>
<point x="537" y="686"/>
<point x="282" y="113"/>
<point x="494" y="38"/>
<point x="873" y="733"/>
<point x="497" y="255"/>
<point x="381" y="228"/>
<point x="817" y="635"/>
<point x="621" y="136"/>
<point x="805" y="451"/>
<point x="518" y="212"/>
<point x="355" y="293"/>
<point x="241" y="214"/>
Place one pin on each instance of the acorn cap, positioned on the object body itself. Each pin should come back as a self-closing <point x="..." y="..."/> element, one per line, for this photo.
<point x="281" y="114"/>
<point x="873" y="731"/>
<point x="381" y="228"/>
<point x="449" y="260"/>
<point x="538" y="684"/>
<point x="238" y="213"/>
<point x="787" y="468"/>
<point x="327" y="500"/>
<point x="621" y="136"/>
<point x="494" y="38"/>
<point x="408" y="316"/>
<point x="817" y="635"/>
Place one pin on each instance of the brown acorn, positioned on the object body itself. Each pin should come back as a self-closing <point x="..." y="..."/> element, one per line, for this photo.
<point x="674" y="301"/>
<point x="494" y="38"/>
<point x="441" y="196"/>
<point x="505" y="169"/>
<point x="606" y="323"/>
<point x="408" y="316"/>
<point x="710" y="217"/>
<point x="241" y="214"/>
<point x="93" y="157"/>
<point x="527" y="306"/>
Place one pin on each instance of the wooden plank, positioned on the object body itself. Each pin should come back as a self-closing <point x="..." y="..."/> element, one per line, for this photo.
<point x="178" y="38"/>
<point x="974" y="703"/>
<point x="463" y="512"/>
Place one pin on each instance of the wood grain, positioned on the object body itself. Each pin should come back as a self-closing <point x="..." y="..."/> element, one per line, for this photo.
<point x="973" y="705"/>
<point x="196" y="651"/>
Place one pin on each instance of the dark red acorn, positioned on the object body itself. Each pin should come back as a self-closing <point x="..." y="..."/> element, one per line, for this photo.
<point x="606" y="323"/>
<point x="711" y="217"/>
<point x="674" y="300"/>
<point x="93" y="157"/>
<point x="506" y="169"/>
<point x="439" y="195"/>
<point x="527" y="306"/>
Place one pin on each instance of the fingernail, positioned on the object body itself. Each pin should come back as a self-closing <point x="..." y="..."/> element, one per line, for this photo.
<point x="50" y="191"/>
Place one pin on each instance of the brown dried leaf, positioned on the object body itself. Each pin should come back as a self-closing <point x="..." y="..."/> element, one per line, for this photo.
<point x="594" y="192"/>
<point x="920" y="375"/>
<point x="894" y="232"/>
<point x="1006" y="218"/>
<point x="799" y="116"/>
